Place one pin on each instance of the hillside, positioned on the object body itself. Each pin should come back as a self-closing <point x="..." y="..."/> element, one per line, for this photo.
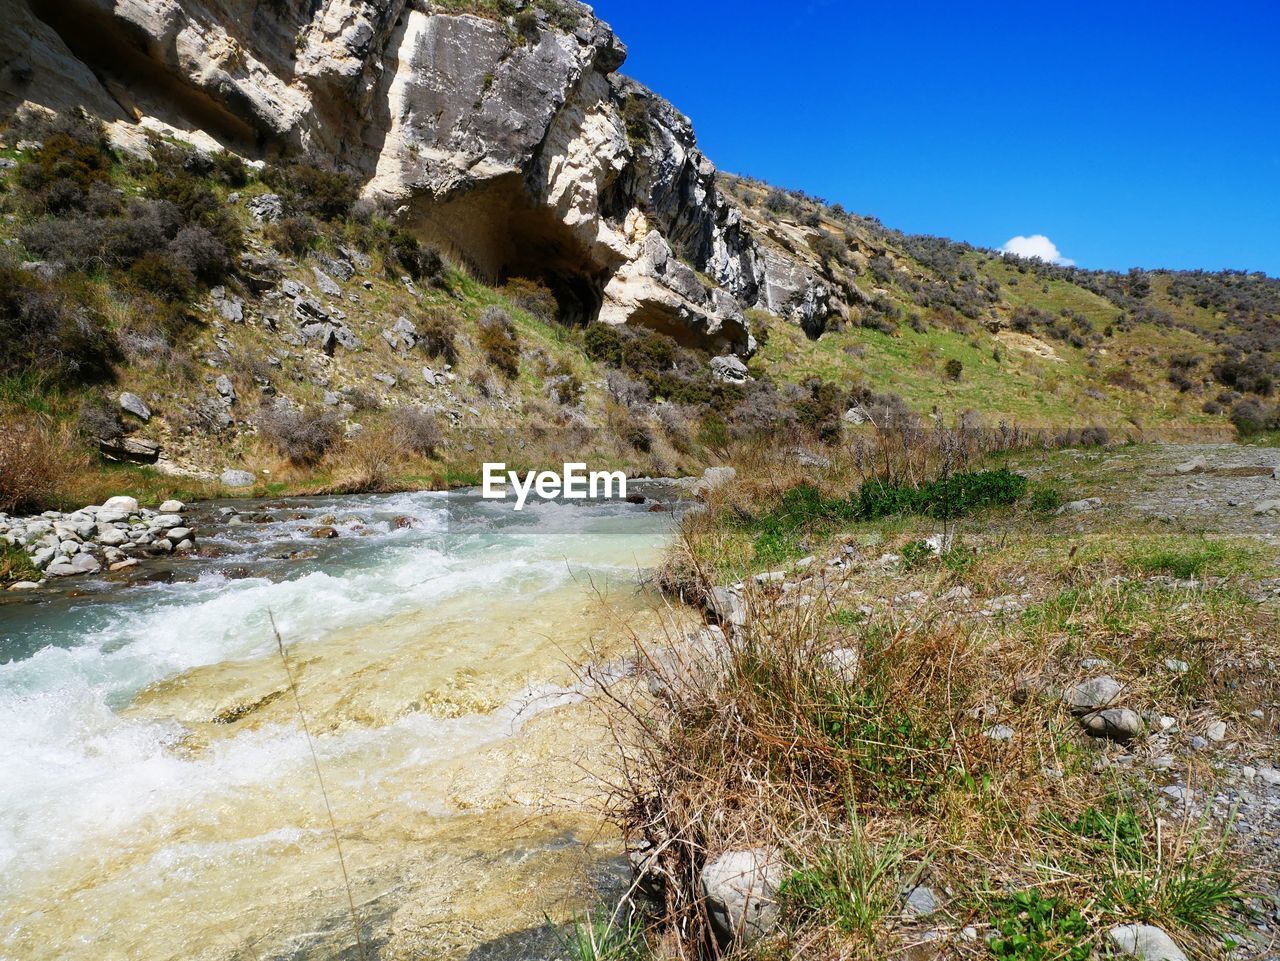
<point x="341" y="295"/>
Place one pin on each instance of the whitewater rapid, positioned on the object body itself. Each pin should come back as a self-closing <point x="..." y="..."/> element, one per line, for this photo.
<point x="158" y="797"/>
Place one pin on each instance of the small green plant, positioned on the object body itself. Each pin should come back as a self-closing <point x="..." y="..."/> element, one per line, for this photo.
<point x="851" y="885"/>
<point x="1033" y="927"/>
<point x="1189" y="558"/>
<point x="15" y="565"/>
<point x="1045" y="499"/>
<point x="603" y="935"/>
<point x="804" y="510"/>
<point x="916" y="554"/>
<point x="948" y="497"/>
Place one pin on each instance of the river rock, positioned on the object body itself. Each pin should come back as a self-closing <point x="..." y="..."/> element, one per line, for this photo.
<point x="238" y="478"/>
<point x="112" y="537"/>
<point x="1145" y="942"/>
<point x="23" y="586"/>
<point x="61" y="568"/>
<point x="1194" y="466"/>
<point x="1116" y="724"/>
<point x="1093" y="694"/>
<point x="324" y="533"/>
<point x="120" y="503"/>
<point x="725" y="603"/>
<point x="135" y="405"/>
<point x="172" y="507"/>
<point x="86" y="563"/>
<point x="165" y="521"/>
<point x="741" y="889"/>
<point x="713" y="478"/>
<point x="177" y="534"/>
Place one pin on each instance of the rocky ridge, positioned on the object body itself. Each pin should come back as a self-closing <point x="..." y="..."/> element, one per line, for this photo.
<point x="510" y="141"/>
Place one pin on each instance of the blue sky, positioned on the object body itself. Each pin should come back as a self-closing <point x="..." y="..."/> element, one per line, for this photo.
<point x="1128" y="133"/>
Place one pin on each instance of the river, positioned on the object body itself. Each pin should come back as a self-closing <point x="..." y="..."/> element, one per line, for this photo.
<point x="158" y="797"/>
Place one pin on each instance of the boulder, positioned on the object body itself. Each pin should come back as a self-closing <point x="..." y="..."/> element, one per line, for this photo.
<point x="1116" y="724"/>
<point x="128" y="505"/>
<point x="266" y="208"/>
<point x="134" y="450"/>
<point x="741" y="889"/>
<point x="86" y="563"/>
<point x="135" y="405"/>
<point x="729" y="369"/>
<point x="1145" y="942"/>
<point x="725" y="604"/>
<point x="172" y="507"/>
<point x="238" y="478"/>
<point x="1094" y="694"/>
<point x="713" y="478"/>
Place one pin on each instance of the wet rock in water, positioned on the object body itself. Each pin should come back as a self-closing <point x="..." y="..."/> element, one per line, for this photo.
<point x="238" y="478"/>
<point x="123" y="565"/>
<point x="658" y="508"/>
<point x="1145" y="942"/>
<point x="177" y="534"/>
<point x="135" y="405"/>
<point x="61" y="569"/>
<point x="741" y="889"/>
<point x="1093" y="694"/>
<point x="172" y="507"/>
<point x="323" y="533"/>
<point x="1116" y="724"/>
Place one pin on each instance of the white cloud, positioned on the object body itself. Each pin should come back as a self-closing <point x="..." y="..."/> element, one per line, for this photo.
<point x="1036" y="246"/>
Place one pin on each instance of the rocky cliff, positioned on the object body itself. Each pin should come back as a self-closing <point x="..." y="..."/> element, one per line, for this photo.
<point x="500" y="131"/>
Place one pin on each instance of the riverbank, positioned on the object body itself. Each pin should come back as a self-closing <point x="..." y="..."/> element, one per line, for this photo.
<point x="1038" y="729"/>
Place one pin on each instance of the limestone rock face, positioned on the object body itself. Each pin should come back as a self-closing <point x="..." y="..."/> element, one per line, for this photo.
<point x="512" y="144"/>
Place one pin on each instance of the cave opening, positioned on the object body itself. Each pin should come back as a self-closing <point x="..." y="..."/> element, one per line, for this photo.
<point x="500" y="234"/>
<point x="137" y="79"/>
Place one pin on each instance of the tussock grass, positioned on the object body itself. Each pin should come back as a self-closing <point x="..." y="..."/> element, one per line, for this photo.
<point x="872" y="781"/>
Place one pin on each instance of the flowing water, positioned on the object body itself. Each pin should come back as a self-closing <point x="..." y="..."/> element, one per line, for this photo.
<point x="157" y="795"/>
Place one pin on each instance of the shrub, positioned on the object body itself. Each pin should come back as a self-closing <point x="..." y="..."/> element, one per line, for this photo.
<point x="498" y="341"/>
<point x="534" y="297"/>
<point x="417" y="430"/>
<point x="73" y="158"/>
<point x="1251" y="416"/>
<point x="603" y="343"/>
<point x="947" y="497"/>
<point x="37" y="461"/>
<point x="198" y="205"/>
<point x="51" y="328"/>
<point x="319" y="191"/>
<point x="199" y="252"/>
<point x="437" y="334"/>
<point x="953" y="369"/>
<point x="418" y="260"/>
<point x="302" y="437"/>
<point x="819" y="406"/>
<point x="161" y="275"/>
<point x="293" y="235"/>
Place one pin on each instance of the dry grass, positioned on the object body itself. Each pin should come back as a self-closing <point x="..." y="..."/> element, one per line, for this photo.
<point x="38" y="462"/>
<point x="869" y="782"/>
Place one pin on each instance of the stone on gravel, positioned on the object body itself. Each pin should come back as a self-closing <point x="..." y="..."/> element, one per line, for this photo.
<point x="1093" y="694"/>
<point x="1175" y="666"/>
<point x="741" y="890"/>
<point x="1193" y="466"/>
<point x="238" y="478"/>
<point x="1145" y="942"/>
<point x="1116" y="724"/>
<point x="1267" y="507"/>
<point x="1216" y="731"/>
<point x="1081" y="506"/>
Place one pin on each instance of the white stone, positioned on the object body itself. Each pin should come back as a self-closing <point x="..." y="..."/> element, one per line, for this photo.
<point x="121" y="503"/>
<point x="1145" y="942"/>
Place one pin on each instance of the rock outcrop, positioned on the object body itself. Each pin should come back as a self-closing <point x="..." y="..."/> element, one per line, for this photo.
<point x="512" y="143"/>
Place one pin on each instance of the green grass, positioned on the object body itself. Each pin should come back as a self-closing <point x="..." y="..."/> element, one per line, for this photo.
<point x="853" y="885"/>
<point x="603" y="935"/>
<point x="1193" y="557"/>
<point x="1036" y="927"/>
<point x="15" y="565"/>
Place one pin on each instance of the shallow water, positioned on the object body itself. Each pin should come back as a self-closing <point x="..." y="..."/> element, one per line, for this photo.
<point x="158" y="797"/>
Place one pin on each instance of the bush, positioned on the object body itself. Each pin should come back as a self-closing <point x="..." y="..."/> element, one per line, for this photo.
<point x="417" y="430"/>
<point x="437" y="334"/>
<point x="534" y="297"/>
<point x="1251" y="416"/>
<point x="498" y="341"/>
<point x="319" y="191"/>
<point x="51" y="328"/>
<point x="819" y="406"/>
<point x="73" y="159"/>
<point x="948" y="497"/>
<point x="37" y="461"/>
<point x="603" y="343"/>
<point x="161" y="275"/>
<point x="198" y="251"/>
<point x="294" y="235"/>
<point x="418" y="260"/>
<point x="953" y="369"/>
<point x="302" y="437"/>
